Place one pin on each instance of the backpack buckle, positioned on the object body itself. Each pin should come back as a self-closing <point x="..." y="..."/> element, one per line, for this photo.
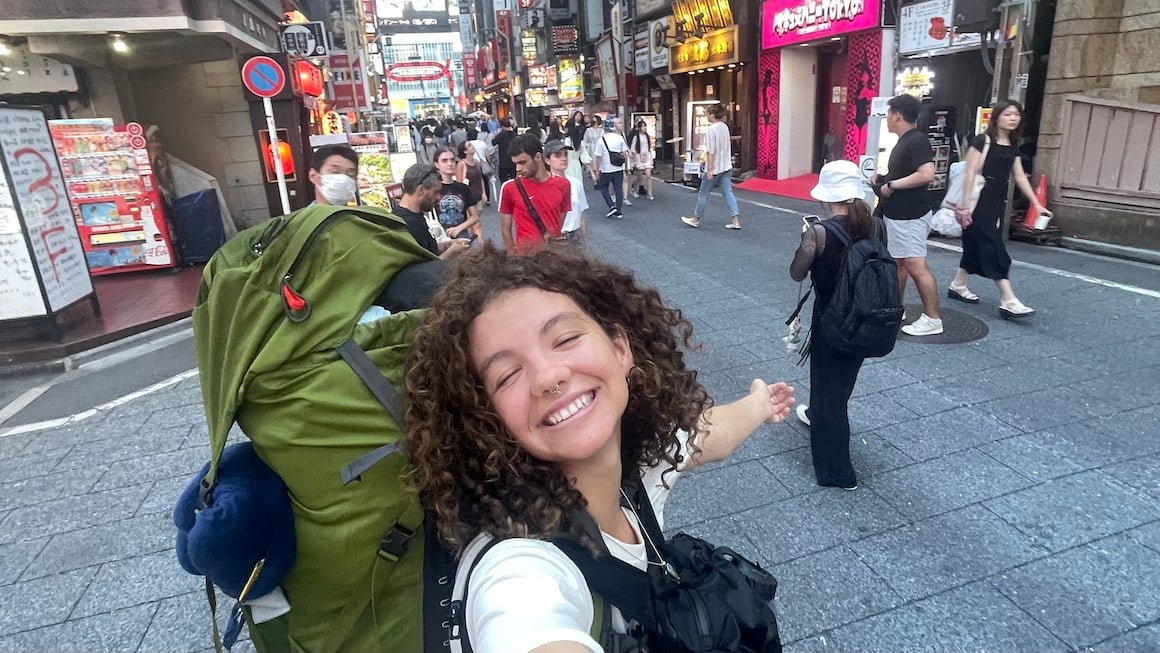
<point x="394" y="544"/>
<point x="204" y="496"/>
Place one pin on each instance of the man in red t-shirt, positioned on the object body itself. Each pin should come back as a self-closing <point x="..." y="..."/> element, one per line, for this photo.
<point x="551" y="197"/>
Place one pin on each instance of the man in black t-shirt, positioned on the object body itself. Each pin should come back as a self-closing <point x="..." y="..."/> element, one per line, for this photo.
<point x="501" y="142"/>
<point x="906" y="209"/>
<point x="421" y="186"/>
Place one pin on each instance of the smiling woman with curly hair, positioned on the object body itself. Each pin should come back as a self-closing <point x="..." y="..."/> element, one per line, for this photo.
<point x="535" y="386"/>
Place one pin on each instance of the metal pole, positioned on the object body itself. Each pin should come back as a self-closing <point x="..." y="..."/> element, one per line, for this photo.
<point x="361" y="17"/>
<point x="268" y="107"/>
<point x="350" y="63"/>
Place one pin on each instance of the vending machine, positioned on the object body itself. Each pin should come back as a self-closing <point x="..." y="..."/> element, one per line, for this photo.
<point x="115" y="196"/>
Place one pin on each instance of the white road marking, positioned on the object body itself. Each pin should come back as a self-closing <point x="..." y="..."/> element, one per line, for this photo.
<point x="21" y="402"/>
<point x="1062" y="273"/>
<point x="72" y="419"/>
<point x="770" y="206"/>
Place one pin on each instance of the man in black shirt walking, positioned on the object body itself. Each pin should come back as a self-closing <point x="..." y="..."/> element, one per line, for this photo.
<point x="906" y="209"/>
<point x="502" y="141"/>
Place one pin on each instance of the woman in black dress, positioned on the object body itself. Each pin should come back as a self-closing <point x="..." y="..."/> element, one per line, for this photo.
<point x="983" y="251"/>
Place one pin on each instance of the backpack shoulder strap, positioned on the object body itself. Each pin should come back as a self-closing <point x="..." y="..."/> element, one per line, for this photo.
<point x="531" y="208"/>
<point x="457" y="640"/>
<point x="456" y="633"/>
<point x="835" y="227"/>
<point x="384" y="391"/>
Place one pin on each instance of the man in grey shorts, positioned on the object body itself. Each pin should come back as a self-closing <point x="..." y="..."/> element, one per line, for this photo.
<point x="906" y="209"/>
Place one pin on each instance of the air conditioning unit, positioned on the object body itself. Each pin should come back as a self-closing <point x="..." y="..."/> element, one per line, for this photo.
<point x="976" y="16"/>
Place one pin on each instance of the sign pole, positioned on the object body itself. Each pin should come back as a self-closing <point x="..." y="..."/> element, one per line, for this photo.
<point x="268" y="107"/>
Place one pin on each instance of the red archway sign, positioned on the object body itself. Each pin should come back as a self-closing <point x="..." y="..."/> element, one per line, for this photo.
<point x="263" y="77"/>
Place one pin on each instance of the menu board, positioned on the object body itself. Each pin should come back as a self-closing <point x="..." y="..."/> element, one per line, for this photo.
<point x="697" y="122"/>
<point x="38" y="234"/>
<point x="374" y="167"/>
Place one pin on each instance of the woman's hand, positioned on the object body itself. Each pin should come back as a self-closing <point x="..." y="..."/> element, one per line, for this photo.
<point x="961" y="213"/>
<point x="1041" y="210"/>
<point x="777" y="399"/>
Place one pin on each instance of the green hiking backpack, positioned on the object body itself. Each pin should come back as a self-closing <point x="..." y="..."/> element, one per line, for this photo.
<point x="280" y="352"/>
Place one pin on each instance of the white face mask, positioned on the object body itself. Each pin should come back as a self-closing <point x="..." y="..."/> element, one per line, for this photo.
<point x="338" y="188"/>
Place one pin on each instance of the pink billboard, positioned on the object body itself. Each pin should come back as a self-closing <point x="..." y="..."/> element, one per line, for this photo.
<point x="785" y="22"/>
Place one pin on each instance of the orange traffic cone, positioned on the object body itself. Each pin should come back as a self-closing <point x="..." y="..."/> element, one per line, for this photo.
<point x="1030" y="219"/>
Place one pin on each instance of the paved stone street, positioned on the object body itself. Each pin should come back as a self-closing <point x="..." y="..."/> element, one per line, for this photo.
<point x="1010" y="495"/>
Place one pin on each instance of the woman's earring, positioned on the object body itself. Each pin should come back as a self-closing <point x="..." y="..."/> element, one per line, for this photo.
<point x="631" y="370"/>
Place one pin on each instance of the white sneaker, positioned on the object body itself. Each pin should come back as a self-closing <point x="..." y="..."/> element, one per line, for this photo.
<point x="924" y="326"/>
<point x="800" y="411"/>
<point x="627" y="202"/>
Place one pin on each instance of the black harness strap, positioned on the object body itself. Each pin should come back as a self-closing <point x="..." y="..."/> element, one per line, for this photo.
<point x="387" y="395"/>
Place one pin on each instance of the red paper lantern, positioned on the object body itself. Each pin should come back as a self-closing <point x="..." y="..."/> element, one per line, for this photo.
<point x="309" y="78"/>
<point x="285" y="155"/>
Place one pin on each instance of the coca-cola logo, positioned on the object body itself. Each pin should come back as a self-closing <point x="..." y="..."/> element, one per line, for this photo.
<point x="811" y="13"/>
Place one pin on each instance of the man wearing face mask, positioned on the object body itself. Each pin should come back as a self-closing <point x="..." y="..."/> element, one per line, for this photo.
<point x="334" y="173"/>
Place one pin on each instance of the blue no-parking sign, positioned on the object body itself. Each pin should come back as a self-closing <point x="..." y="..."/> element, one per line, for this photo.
<point x="263" y="77"/>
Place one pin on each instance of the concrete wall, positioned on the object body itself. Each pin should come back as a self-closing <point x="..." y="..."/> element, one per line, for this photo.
<point x="1105" y="49"/>
<point x="205" y="121"/>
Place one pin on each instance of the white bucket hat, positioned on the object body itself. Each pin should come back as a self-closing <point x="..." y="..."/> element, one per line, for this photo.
<point x="839" y="181"/>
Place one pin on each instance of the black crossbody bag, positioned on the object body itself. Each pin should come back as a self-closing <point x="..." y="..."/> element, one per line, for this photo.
<point x="694" y="598"/>
<point x="532" y="211"/>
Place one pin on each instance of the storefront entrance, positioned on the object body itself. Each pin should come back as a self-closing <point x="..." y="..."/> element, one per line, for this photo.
<point x="830" y="104"/>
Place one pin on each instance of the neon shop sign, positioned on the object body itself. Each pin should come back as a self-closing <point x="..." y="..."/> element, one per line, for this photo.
<point x="785" y="22"/>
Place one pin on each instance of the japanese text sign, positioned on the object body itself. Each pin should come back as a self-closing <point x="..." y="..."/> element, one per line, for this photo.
<point x="785" y="22"/>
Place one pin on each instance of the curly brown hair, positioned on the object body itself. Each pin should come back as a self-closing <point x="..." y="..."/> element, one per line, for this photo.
<point x="465" y="465"/>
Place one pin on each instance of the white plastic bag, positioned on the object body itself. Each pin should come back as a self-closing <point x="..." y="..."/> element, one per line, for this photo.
<point x="943" y="222"/>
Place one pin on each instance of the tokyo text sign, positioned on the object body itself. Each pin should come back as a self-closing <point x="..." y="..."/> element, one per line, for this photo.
<point x="785" y="22"/>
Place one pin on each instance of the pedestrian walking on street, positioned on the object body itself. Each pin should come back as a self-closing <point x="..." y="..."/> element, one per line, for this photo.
<point x="574" y="139"/>
<point x="592" y="134"/>
<point x="532" y="206"/>
<point x="469" y="171"/>
<point x="534" y="128"/>
<point x="457" y="208"/>
<point x="718" y="169"/>
<point x="640" y="147"/>
<point x="906" y="209"/>
<point x="841" y="191"/>
<point x="609" y="159"/>
<point x="555" y="130"/>
<point x="984" y="253"/>
<point x="574" y="229"/>
<point x="546" y="393"/>
<point x="501" y="142"/>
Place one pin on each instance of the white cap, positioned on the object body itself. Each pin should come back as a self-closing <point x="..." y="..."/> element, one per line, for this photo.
<point x="839" y="181"/>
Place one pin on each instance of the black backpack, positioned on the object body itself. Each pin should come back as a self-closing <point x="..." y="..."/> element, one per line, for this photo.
<point x="865" y="312"/>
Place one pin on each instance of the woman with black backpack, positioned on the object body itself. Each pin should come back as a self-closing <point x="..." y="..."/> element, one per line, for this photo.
<point x="549" y="414"/>
<point x="833" y="373"/>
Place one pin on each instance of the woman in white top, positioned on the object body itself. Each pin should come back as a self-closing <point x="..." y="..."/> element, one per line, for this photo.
<point x="592" y="136"/>
<point x="539" y="381"/>
<point x="640" y="154"/>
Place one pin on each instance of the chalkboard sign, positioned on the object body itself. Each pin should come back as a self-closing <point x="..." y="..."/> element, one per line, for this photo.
<point x="42" y="263"/>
